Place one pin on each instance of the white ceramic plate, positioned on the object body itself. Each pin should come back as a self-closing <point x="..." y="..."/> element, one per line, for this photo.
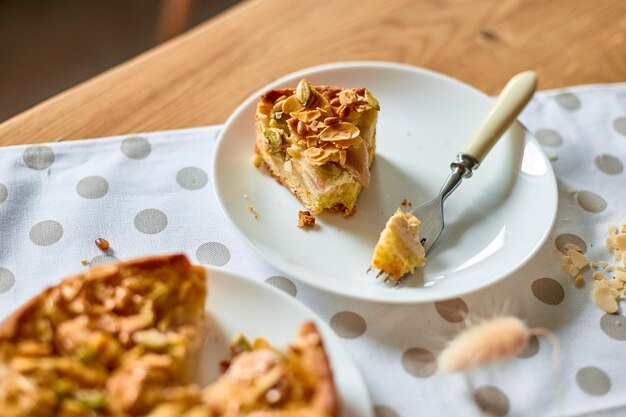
<point x="237" y="304"/>
<point x="495" y="221"/>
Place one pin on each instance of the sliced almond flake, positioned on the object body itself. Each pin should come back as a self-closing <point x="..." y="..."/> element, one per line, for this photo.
<point x="578" y="259"/>
<point x="570" y="269"/>
<point x="571" y="246"/>
<point x="610" y="268"/>
<point x="597" y="275"/>
<point x="603" y="264"/>
<point x="307" y="115"/>
<point x="593" y="264"/>
<point x="604" y="298"/>
<point x="339" y="131"/>
<point x="580" y="281"/>
<point x="616" y="284"/>
<point x="292" y="105"/>
<point x="572" y="191"/>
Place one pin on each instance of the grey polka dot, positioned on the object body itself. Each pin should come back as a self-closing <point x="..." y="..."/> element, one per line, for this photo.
<point x="454" y="310"/>
<point x="38" y="157"/>
<point x="4" y="193"/>
<point x="150" y="221"/>
<point x="92" y="187"/>
<point x="492" y="401"/>
<point x="284" y="284"/>
<point x="213" y="253"/>
<point x="591" y="202"/>
<point x="46" y="233"/>
<point x="594" y="381"/>
<point x="7" y="280"/>
<point x="419" y="362"/>
<point x="548" y="291"/>
<point x="103" y="260"/>
<point x="192" y="178"/>
<point x="549" y="137"/>
<point x="609" y="164"/>
<point x="348" y="325"/>
<point x="565" y="238"/>
<point x="384" y="411"/>
<point x="614" y="325"/>
<point x="619" y="125"/>
<point x="530" y="349"/>
<point x="136" y="147"/>
<point x="568" y="101"/>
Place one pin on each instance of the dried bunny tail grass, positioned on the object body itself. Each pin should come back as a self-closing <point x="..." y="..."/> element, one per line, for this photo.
<point x="489" y="341"/>
<point x="492" y="340"/>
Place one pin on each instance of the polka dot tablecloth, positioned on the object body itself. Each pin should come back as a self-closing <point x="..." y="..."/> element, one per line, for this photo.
<point x="151" y="194"/>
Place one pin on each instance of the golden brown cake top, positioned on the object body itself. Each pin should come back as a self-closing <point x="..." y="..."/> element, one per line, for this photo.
<point x="103" y="341"/>
<point x="322" y="124"/>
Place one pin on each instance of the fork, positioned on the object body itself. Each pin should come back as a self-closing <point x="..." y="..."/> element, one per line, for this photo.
<point x="511" y="101"/>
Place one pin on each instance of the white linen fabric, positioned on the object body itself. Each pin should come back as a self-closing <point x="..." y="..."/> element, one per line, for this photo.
<point x="151" y="193"/>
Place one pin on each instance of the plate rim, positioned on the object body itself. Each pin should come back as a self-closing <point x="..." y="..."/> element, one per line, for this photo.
<point x="319" y="322"/>
<point x="380" y="298"/>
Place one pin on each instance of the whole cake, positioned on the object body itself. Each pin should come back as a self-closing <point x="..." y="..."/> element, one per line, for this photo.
<point x="122" y="340"/>
<point x="319" y="142"/>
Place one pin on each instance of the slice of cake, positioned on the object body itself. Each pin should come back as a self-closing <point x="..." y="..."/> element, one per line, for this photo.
<point x="106" y="342"/>
<point x="122" y="340"/>
<point x="261" y="380"/>
<point x="319" y="142"/>
<point x="399" y="251"/>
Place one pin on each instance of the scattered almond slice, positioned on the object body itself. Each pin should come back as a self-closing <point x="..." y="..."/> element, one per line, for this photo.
<point x="570" y="269"/>
<point x="621" y="275"/>
<point x="604" y="297"/>
<point x="578" y="259"/>
<point x="593" y="264"/>
<point x="616" y="284"/>
<point x="603" y="264"/>
<point x="580" y="281"/>
<point x="597" y="275"/>
<point x="571" y="246"/>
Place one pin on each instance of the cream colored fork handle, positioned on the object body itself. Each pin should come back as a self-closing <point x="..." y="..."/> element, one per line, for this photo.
<point x="509" y="104"/>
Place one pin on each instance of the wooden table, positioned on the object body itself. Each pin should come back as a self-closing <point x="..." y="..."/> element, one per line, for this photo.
<point x="199" y="77"/>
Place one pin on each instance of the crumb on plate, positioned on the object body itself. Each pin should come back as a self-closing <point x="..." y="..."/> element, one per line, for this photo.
<point x="250" y="208"/>
<point x="305" y="219"/>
